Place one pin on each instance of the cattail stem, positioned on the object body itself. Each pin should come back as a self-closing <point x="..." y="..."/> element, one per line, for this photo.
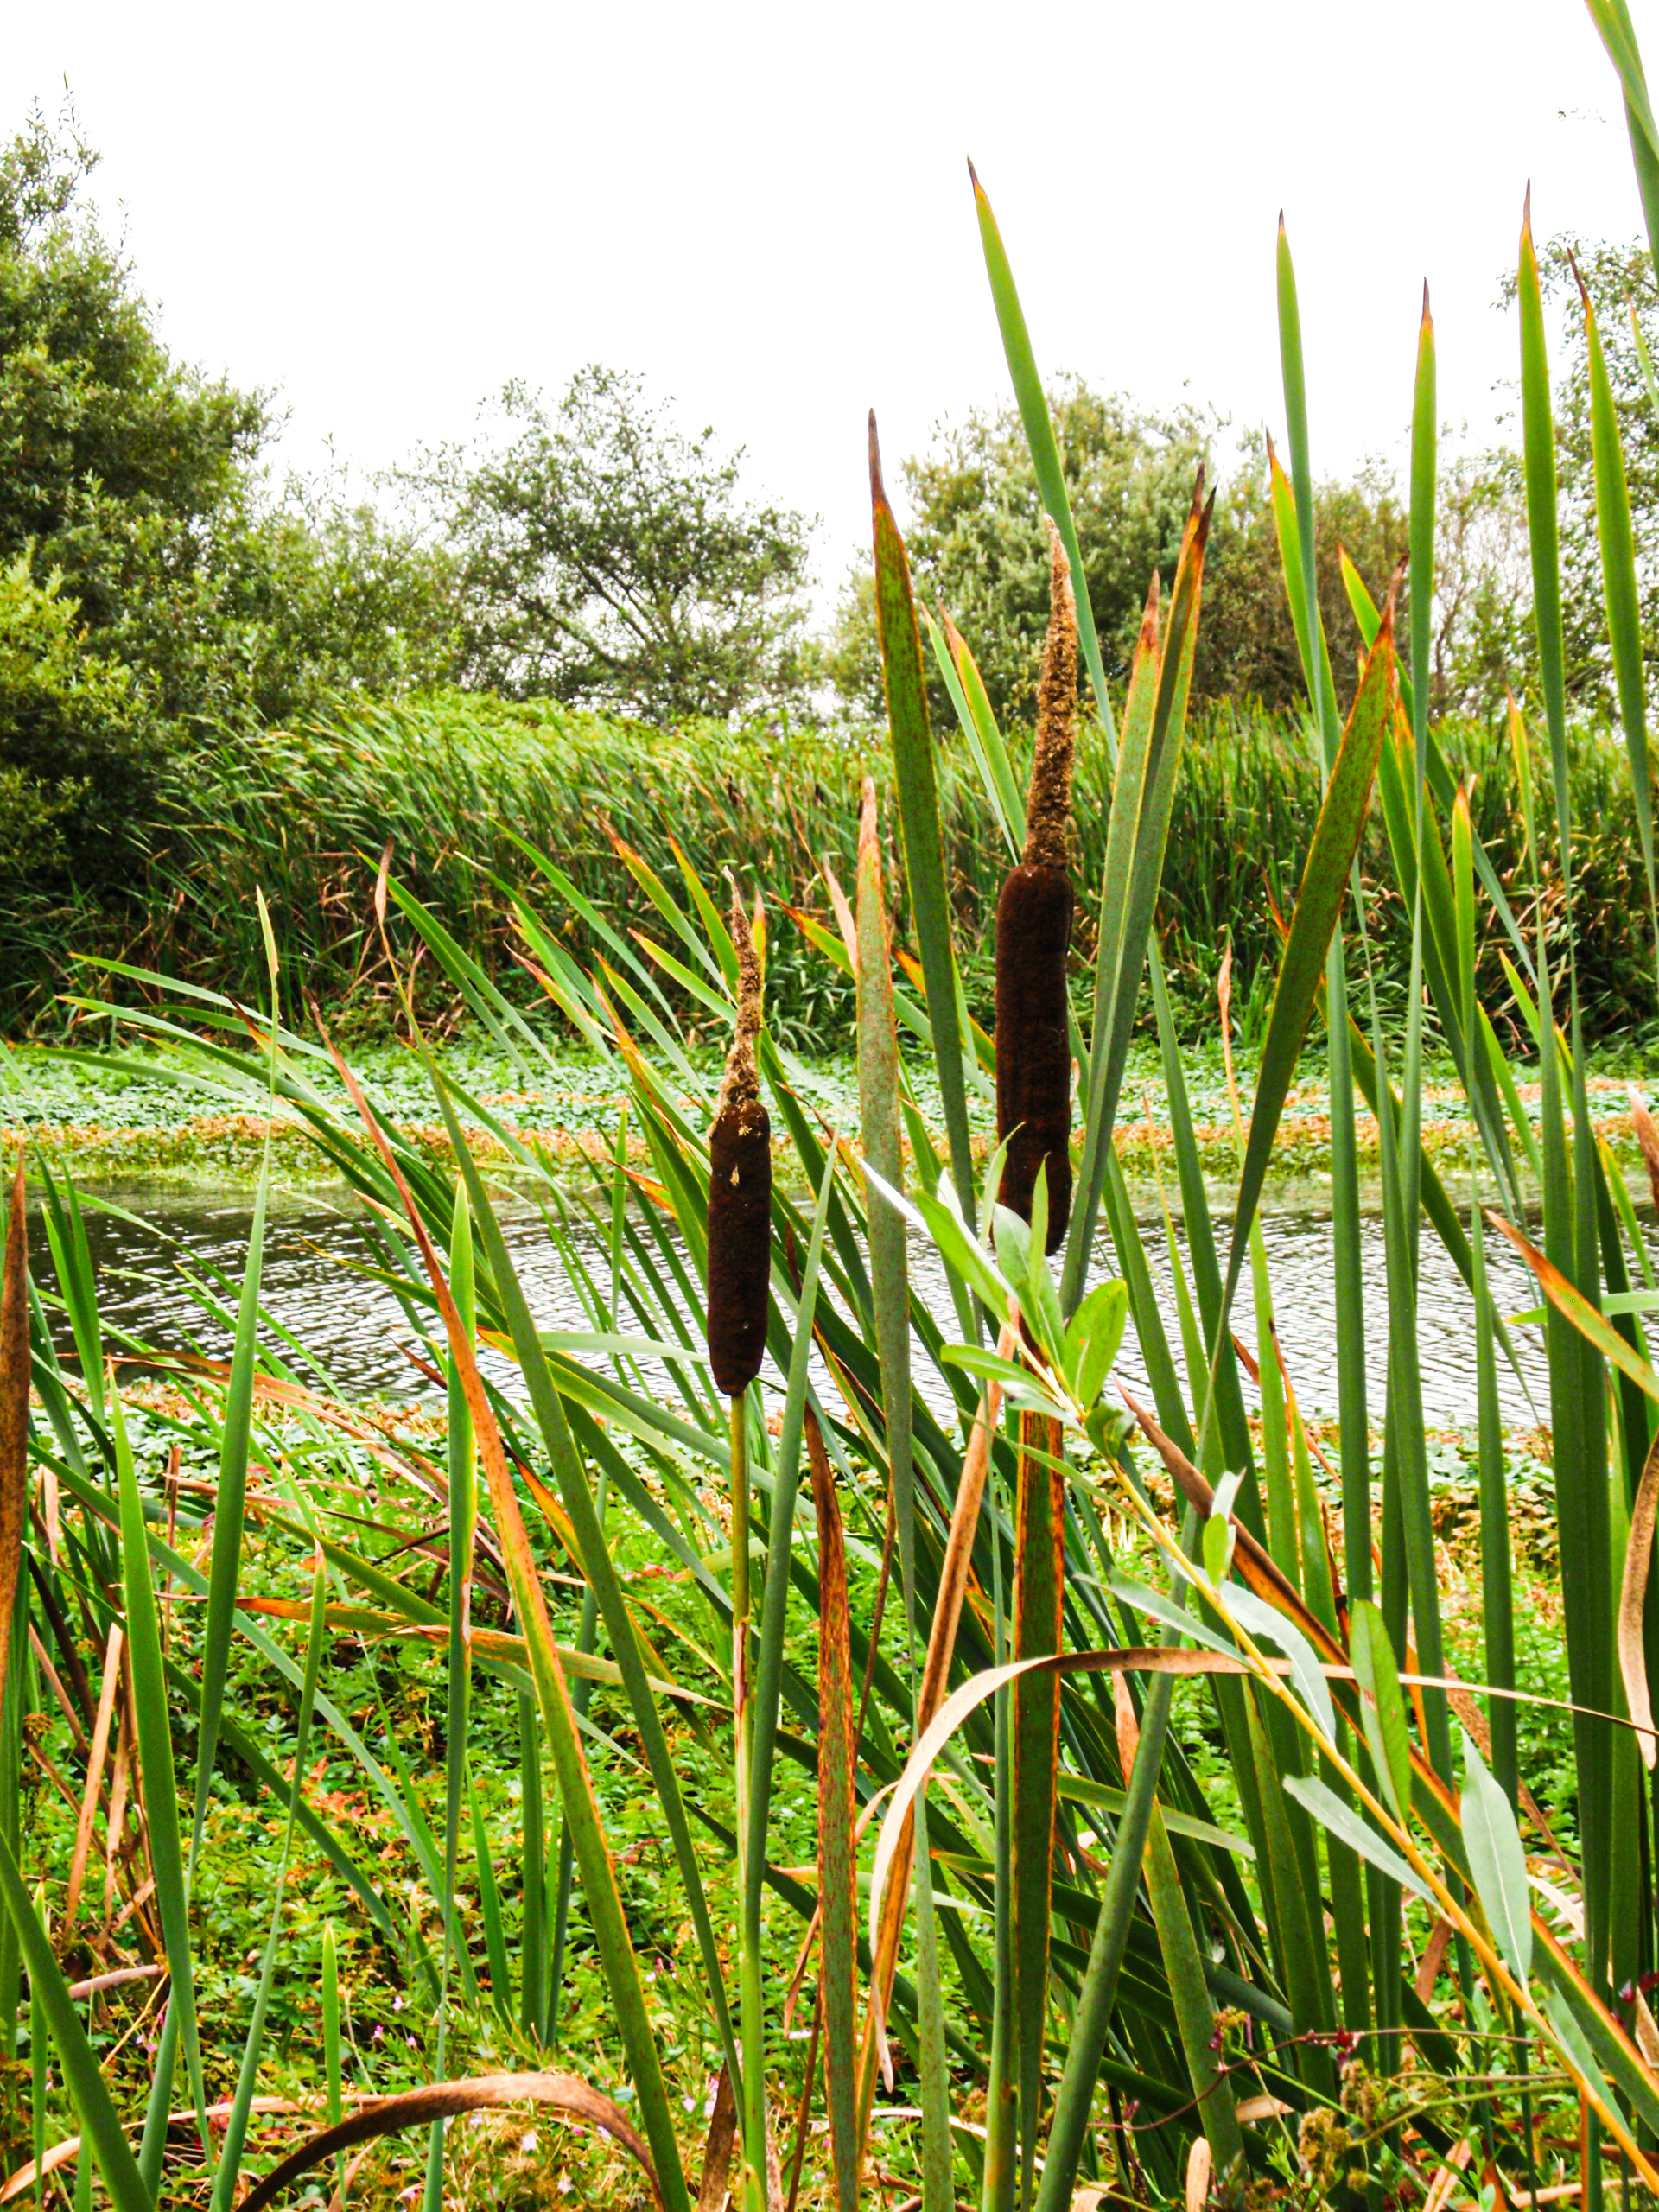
<point x="752" y="2189"/>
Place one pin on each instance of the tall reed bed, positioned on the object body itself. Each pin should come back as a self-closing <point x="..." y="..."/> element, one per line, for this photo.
<point x="454" y="784"/>
<point x="1369" y="1960"/>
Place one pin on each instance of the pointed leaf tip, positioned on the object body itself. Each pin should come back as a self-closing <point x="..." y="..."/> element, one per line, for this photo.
<point x="973" y="173"/>
<point x="878" y="493"/>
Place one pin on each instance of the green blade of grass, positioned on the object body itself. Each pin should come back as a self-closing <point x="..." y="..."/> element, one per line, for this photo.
<point x="100" y="2124"/>
<point x="614" y="1944"/>
<point x="837" y="1856"/>
<point x="155" y="1734"/>
<point x="916" y="781"/>
<point x="1336" y="839"/>
<point x="1039" y="438"/>
<point x="1617" y="547"/>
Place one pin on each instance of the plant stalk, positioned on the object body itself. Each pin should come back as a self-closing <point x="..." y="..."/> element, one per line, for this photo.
<point x="752" y="2187"/>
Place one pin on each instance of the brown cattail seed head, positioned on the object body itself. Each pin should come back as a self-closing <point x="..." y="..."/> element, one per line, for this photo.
<point x="1048" y="802"/>
<point x="740" y="1191"/>
<point x="1034" y="938"/>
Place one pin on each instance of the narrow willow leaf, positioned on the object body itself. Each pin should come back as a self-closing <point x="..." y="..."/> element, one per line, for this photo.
<point x="1261" y="1622"/>
<point x="1382" y="1707"/>
<point x="1342" y="1821"/>
<point x="1496" y="1861"/>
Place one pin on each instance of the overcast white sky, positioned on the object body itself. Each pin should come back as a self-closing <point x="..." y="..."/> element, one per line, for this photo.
<point x="386" y="212"/>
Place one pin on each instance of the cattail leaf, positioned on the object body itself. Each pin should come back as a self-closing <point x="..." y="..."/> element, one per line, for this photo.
<point x="1632" y="1603"/>
<point x="230" y="1506"/>
<point x="916" y="781"/>
<point x="1622" y="595"/>
<point x="1040" y="1553"/>
<point x="1143" y="799"/>
<point x="837" y="1813"/>
<point x="100" y="2124"/>
<point x="768" y="1677"/>
<point x="154" y="1728"/>
<point x="241" y="2106"/>
<point x="611" y="1938"/>
<point x="1303" y="607"/>
<point x="1325" y="882"/>
<point x="14" y="1412"/>
<point x="1039" y="437"/>
<point x="1577" y="1309"/>
<point x="972" y="701"/>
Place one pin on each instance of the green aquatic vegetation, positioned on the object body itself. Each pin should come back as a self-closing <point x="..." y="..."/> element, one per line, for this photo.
<point x="1151" y="1807"/>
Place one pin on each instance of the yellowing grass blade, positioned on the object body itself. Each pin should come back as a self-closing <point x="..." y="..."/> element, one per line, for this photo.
<point x="14" y="1412"/>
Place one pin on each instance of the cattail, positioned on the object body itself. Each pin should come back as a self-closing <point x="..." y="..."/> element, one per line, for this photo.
<point x="1033" y="936"/>
<point x="739" y="1191"/>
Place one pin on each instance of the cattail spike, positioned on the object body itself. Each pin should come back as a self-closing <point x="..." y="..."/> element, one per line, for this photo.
<point x="1033" y="937"/>
<point x="740" y="1189"/>
<point x="1048" y="801"/>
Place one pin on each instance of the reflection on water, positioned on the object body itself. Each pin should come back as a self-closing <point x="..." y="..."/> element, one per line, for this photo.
<point x="146" y="1249"/>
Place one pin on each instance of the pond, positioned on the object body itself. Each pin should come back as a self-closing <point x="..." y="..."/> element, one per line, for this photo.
<point x="145" y="1241"/>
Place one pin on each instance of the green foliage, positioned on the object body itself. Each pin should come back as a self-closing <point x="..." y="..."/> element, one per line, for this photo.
<point x="153" y="587"/>
<point x="76" y="724"/>
<point x="454" y="781"/>
<point x="975" y="537"/>
<point x="607" y="559"/>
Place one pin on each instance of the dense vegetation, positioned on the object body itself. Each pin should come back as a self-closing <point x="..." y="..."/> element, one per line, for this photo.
<point x="477" y="798"/>
<point x="210" y="676"/>
<point x="927" y="1758"/>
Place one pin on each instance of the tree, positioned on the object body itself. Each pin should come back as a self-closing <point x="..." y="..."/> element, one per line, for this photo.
<point x="606" y="559"/>
<point x="976" y="542"/>
<point x="977" y="546"/>
<point x="1247" y="640"/>
<point x="146" y="566"/>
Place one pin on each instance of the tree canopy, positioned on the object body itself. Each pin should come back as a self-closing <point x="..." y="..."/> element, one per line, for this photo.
<point x="605" y="558"/>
